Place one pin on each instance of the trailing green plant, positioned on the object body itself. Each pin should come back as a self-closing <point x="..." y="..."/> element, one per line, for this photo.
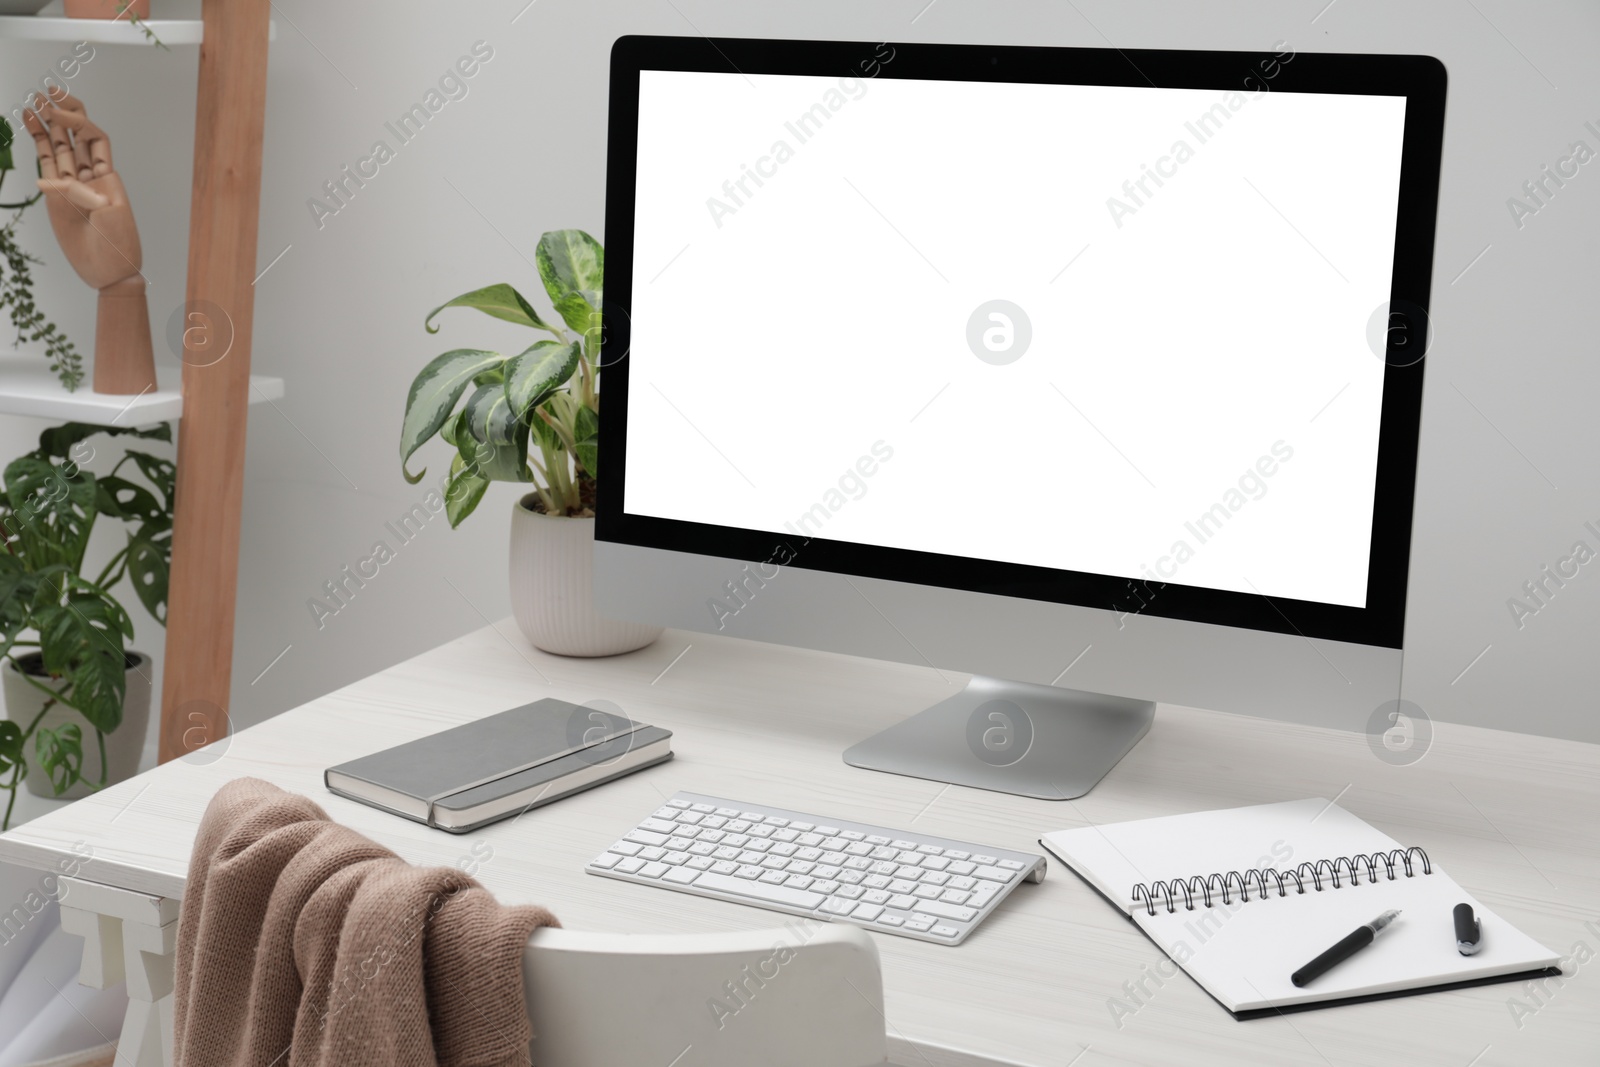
<point x="16" y="283"/>
<point x="66" y="633"/>
<point x="548" y="394"/>
<point x="125" y="10"/>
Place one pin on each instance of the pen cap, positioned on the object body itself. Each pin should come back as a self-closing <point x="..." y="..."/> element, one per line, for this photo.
<point x="1466" y="925"/>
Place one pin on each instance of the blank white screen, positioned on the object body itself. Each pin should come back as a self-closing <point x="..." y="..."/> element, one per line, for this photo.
<point x="1179" y="351"/>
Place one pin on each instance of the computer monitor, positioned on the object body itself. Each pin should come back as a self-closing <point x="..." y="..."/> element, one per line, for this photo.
<point x="1095" y="373"/>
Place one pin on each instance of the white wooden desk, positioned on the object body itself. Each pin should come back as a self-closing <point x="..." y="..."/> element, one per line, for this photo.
<point x="1510" y="817"/>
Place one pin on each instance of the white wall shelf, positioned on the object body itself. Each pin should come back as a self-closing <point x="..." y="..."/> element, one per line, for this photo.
<point x="104" y="31"/>
<point x="29" y="387"/>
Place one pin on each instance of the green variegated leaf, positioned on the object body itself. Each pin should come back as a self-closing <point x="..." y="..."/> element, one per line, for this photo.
<point x="162" y="473"/>
<point x="52" y="514"/>
<point x="150" y="565"/>
<point x="462" y="494"/>
<point x="500" y="301"/>
<point x="587" y="439"/>
<point x="580" y="310"/>
<point x="433" y="396"/>
<point x="534" y="374"/>
<point x="121" y="499"/>
<point x="60" y="755"/>
<point x="492" y="441"/>
<point x="82" y="638"/>
<point x="570" y="260"/>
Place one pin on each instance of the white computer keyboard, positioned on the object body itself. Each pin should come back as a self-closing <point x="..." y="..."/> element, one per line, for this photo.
<point x="892" y="881"/>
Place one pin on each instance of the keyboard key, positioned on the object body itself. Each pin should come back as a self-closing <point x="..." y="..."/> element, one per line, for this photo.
<point x="690" y="818"/>
<point x="883" y="867"/>
<point x="761" y="831"/>
<point x="809" y="854"/>
<point x="702" y="848"/>
<point x="827" y="831"/>
<point x="824" y="886"/>
<point x="676" y="859"/>
<point x="728" y="813"/>
<point x="724" y="866"/>
<point x="679" y="844"/>
<point x="783" y="848"/>
<point x="837" y="906"/>
<point x="877" y="839"/>
<point x="919" y="923"/>
<point x="630" y="866"/>
<point x="757" y="845"/>
<point x="962" y="883"/>
<point x="777" y="894"/>
<point x="852" y="835"/>
<point x="751" y="857"/>
<point x="751" y="816"/>
<point x="927" y="892"/>
<point x="1013" y="865"/>
<point x="774" y="863"/>
<point x="800" y="867"/>
<point x="800" y="881"/>
<point x="626" y="848"/>
<point x="680" y="875"/>
<point x="705" y="809"/>
<point x="989" y="860"/>
<point x="955" y="854"/>
<point x="849" y="892"/>
<point x="711" y="835"/>
<point x="858" y="848"/>
<point x="955" y="896"/>
<point x="652" y="853"/>
<point x="890" y="920"/>
<point x="810" y="840"/>
<point x="935" y="878"/>
<point x="748" y="872"/>
<point x="653" y="870"/>
<point x="851" y="877"/>
<point x="946" y="911"/>
<point x="875" y="896"/>
<point x="676" y="803"/>
<point x="736" y="840"/>
<point x="660" y="826"/>
<point x="910" y="859"/>
<point x="858" y="863"/>
<point x="910" y="874"/>
<point x="606" y="860"/>
<point x="985" y="892"/>
<point x="935" y="863"/>
<point x="703" y="863"/>
<point x="998" y="874"/>
<point x="646" y="837"/>
<point x="789" y="834"/>
<point x="961" y="867"/>
<point x="883" y="852"/>
<point x="690" y="832"/>
<point x="875" y="881"/>
<point x="802" y="826"/>
<point x="900" y="885"/>
<point x="666" y="813"/>
<point x="867" y="912"/>
<point x="826" y="870"/>
<point x="736" y="826"/>
<point x="774" y="820"/>
<point x="930" y="850"/>
<point x="727" y="852"/>
<point x="946" y="931"/>
<point x="912" y="845"/>
<point x="774" y="878"/>
<point x="903" y="902"/>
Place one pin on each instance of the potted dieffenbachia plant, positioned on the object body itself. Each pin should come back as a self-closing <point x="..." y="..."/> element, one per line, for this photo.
<point x="532" y="417"/>
<point x="77" y="698"/>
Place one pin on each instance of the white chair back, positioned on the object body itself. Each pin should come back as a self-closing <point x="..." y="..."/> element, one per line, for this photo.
<point x="808" y="994"/>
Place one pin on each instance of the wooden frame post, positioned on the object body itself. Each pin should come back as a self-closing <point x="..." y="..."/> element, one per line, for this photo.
<point x="229" y="120"/>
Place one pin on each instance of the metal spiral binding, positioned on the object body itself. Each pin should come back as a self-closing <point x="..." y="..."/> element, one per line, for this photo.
<point x="1266" y="878"/>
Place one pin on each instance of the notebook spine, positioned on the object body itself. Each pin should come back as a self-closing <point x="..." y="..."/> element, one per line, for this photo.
<point x="1202" y="886"/>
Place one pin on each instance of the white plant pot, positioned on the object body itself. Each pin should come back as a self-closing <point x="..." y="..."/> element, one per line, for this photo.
<point x="124" y="745"/>
<point x="552" y="588"/>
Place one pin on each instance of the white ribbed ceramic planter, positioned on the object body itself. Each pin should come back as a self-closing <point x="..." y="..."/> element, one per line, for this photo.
<point x="124" y="745"/>
<point x="552" y="588"/>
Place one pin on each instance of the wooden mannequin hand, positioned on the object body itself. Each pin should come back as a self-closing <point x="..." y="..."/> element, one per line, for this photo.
<point x="88" y="206"/>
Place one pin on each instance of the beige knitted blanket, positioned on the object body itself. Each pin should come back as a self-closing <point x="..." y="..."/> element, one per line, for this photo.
<point x="302" y="943"/>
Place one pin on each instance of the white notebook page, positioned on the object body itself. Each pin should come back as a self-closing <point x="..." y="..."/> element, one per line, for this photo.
<point x="1244" y="952"/>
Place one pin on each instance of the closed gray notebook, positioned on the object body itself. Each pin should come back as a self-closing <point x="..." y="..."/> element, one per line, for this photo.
<point x="463" y="777"/>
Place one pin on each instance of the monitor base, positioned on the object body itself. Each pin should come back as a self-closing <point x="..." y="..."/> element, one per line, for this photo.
<point x="1011" y="737"/>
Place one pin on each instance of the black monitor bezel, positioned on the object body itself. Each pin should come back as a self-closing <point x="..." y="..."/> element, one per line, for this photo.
<point x="1420" y="79"/>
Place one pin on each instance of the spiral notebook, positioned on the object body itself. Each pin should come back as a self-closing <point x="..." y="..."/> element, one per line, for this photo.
<point x="1243" y="897"/>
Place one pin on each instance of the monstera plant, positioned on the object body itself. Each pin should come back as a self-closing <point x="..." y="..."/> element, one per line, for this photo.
<point x="531" y="417"/>
<point x="63" y="634"/>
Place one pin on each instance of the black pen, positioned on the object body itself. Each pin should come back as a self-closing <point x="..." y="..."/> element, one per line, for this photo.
<point x="1347" y="947"/>
<point x="1469" y="930"/>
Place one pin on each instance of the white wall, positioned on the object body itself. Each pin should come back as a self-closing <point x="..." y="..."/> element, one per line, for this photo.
<point x="1508" y="474"/>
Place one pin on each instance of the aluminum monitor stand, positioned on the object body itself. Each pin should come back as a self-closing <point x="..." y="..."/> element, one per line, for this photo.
<point x="1011" y="737"/>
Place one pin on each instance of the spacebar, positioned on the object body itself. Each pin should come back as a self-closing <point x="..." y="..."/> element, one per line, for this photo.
<point x="749" y="887"/>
